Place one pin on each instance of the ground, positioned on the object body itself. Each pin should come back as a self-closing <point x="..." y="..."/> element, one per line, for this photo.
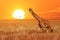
<point x="27" y="30"/>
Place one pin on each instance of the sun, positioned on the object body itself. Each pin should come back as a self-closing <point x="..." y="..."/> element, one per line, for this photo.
<point x="18" y="14"/>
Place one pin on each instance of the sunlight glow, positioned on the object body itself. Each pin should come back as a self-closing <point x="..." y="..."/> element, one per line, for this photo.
<point x="18" y="14"/>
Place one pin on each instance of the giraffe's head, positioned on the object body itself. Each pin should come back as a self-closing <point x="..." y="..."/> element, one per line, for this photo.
<point x="30" y="10"/>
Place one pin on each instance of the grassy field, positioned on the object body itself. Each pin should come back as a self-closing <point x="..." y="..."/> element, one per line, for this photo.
<point x="27" y="30"/>
<point x="30" y="35"/>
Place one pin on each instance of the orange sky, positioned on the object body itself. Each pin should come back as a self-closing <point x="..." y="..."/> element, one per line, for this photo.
<point x="49" y="9"/>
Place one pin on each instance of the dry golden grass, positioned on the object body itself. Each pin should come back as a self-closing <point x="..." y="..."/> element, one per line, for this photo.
<point x="27" y="30"/>
<point x="29" y="35"/>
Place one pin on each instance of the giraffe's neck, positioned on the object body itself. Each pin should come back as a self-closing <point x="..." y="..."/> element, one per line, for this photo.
<point x="39" y="19"/>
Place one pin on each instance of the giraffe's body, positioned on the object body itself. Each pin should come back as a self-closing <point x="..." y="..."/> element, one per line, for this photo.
<point x="43" y="24"/>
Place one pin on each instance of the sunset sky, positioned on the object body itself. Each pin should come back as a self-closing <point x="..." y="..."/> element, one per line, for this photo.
<point x="49" y="9"/>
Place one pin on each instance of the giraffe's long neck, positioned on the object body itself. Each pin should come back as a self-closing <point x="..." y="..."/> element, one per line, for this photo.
<point x="36" y="16"/>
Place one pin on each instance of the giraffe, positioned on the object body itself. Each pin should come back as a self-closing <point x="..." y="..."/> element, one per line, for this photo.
<point x="42" y="23"/>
